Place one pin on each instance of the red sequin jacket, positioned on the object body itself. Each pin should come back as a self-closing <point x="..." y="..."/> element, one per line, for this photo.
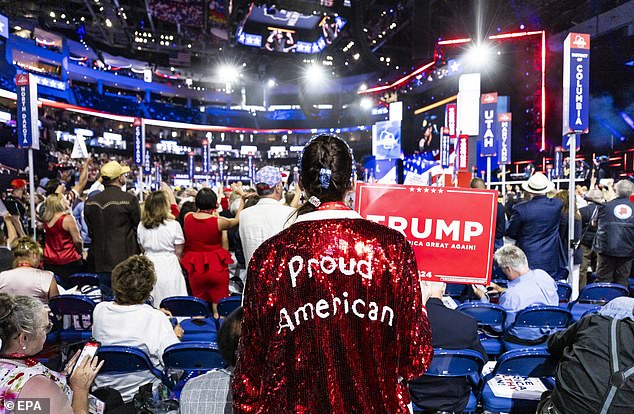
<point x="334" y="320"/>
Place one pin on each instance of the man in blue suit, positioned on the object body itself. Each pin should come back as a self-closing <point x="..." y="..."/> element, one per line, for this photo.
<point x="534" y="224"/>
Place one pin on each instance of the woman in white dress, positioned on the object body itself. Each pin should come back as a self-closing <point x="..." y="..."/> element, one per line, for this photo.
<point x="161" y="238"/>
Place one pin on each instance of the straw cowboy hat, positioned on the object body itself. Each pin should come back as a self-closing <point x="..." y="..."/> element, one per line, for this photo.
<point x="538" y="184"/>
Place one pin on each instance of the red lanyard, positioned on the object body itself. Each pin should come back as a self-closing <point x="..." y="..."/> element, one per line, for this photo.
<point x="333" y="205"/>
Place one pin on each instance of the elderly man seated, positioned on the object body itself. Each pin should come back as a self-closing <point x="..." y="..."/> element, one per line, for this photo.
<point x="526" y="287"/>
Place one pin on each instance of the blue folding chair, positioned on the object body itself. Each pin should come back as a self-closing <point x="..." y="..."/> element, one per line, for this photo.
<point x="541" y="319"/>
<point x="84" y="279"/>
<point x="128" y="359"/>
<point x="491" y="318"/>
<point x="534" y="363"/>
<point x="453" y="364"/>
<point x="595" y="294"/>
<point x="455" y="291"/>
<point x="229" y="304"/>
<point x="201" y="328"/>
<point x="564" y="290"/>
<point x="193" y="358"/>
<point x="80" y="309"/>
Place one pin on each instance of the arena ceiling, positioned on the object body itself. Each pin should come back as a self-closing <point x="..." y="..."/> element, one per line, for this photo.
<point x="198" y="33"/>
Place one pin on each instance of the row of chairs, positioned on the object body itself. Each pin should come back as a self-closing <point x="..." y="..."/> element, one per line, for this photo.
<point x="198" y="323"/>
<point x="189" y="359"/>
<point x="547" y="319"/>
<point x="534" y="363"/>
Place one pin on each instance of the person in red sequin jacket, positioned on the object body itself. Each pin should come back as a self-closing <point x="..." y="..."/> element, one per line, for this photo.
<point x="334" y="313"/>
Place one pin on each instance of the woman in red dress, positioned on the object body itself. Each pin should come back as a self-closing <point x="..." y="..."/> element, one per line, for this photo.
<point x="206" y="258"/>
<point x="63" y="243"/>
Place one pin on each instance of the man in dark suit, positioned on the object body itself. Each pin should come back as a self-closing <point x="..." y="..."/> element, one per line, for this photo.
<point x="451" y="329"/>
<point x="534" y="225"/>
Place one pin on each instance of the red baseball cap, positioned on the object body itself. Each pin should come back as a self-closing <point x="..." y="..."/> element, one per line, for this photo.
<point x="18" y="183"/>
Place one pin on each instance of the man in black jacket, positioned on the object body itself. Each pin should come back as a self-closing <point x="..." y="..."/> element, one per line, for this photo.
<point x="112" y="217"/>
<point x="589" y="216"/>
<point x="614" y="241"/>
<point x="451" y="329"/>
<point x="588" y="352"/>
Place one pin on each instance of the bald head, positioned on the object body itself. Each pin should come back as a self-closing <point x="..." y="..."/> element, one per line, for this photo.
<point x="477" y="183"/>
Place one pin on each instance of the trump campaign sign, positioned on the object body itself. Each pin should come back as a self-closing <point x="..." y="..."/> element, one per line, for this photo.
<point x="451" y="230"/>
<point x="576" y="106"/>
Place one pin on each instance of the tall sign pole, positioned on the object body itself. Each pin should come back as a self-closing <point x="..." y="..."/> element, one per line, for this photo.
<point x="28" y="134"/>
<point x="575" y="121"/>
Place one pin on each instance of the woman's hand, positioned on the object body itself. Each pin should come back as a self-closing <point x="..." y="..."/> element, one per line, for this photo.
<point x="178" y="331"/>
<point x="71" y="363"/>
<point x="84" y="374"/>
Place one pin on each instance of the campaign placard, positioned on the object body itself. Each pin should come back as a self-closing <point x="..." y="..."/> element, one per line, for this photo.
<point x="26" y="90"/>
<point x="138" y="145"/>
<point x="488" y="124"/>
<point x="451" y="230"/>
<point x="576" y="104"/>
<point x="504" y="126"/>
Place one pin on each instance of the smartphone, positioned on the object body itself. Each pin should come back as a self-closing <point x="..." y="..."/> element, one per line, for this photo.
<point x="90" y="350"/>
<point x="481" y="288"/>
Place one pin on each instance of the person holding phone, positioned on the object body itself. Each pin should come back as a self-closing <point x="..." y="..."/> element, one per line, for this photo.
<point x="24" y="324"/>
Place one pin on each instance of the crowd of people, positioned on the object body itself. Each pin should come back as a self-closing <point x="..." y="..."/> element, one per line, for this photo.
<point x="334" y="316"/>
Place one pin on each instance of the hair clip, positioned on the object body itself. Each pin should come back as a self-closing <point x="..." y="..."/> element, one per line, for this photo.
<point x="324" y="177"/>
<point x="314" y="201"/>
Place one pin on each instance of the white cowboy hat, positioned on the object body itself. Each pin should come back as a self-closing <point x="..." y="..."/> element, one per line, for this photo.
<point x="538" y="184"/>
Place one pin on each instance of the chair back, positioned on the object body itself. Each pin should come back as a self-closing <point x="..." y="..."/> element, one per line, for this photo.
<point x="84" y="279"/>
<point x="486" y="314"/>
<point x="71" y="305"/>
<point x="454" y="290"/>
<point x="602" y="293"/>
<point x="455" y="363"/>
<point x="227" y="305"/>
<point x="186" y="306"/>
<point x="541" y="316"/>
<point x="592" y="311"/>
<point x="564" y="290"/>
<point x="193" y="356"/>
<point x="526" y="363"/>
<point x="128" y="359"/>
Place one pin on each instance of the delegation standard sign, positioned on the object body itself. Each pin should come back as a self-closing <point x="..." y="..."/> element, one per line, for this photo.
<point x="451" y="230"/>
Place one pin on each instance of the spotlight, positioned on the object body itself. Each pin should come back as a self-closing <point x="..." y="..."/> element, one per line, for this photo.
<point x="228" y="73"/>
<point x="315" y="74"/>
<point x="270" y="83"/>
<point x="366" y="103"/>
<point x="478" y="54"/>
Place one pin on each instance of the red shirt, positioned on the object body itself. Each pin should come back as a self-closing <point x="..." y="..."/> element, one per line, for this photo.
<point x="59" y="248"/>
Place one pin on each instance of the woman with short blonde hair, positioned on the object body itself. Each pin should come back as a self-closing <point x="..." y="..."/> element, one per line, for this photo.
<point x="63" y="245"/>
<point x="26" y="278"/>
<point x="161" y="238"/>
